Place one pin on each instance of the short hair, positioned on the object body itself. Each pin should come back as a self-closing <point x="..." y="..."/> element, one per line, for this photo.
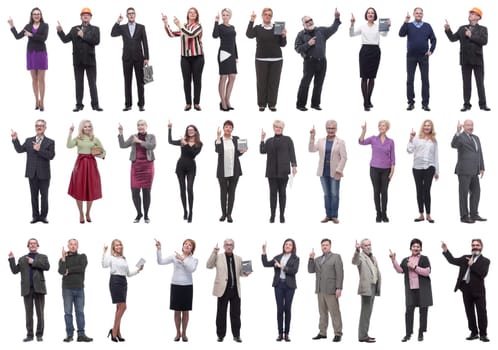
<point x="228" y="122"/>
<point x="388" y="124"/>
<point x="415" y="241"/>
<point x="280" y="123"/>
<point x="418" y="8"/>
<point x="192" y="242"/>
<point x="375" y="13"/>
<point x="33" y="239"/>
<point x="142" y="121"/>
<point x="326" y="240"/>
<point x="130" y="8"/>
<point x="41" y="120"/>
<point x="364" y="240"/>
<point x="229" y="240"/>
<point x="226" y="9"/>
<point x="477" y="240"/>
<point x="330" y="122"/>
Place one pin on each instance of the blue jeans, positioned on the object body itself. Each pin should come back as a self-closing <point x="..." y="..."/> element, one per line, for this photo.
<point x="74" y="296"/>
<point x="330" y="188"/>
<point x="283" y="297"/>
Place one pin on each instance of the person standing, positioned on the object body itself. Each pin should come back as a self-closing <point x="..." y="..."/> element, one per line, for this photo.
<point x="469" y="167"/>
<point x="84" y="38"/>
<point x="472" y="38"/>
<point x="135" y="55"/>
<point x="33" y="288"/>
<point x="40" y="150"/>
<point x="72" y="266"/>
<point x="227" y="288"/>
<point x="36" y="56"/>
<point x="418" y="34"/>
<point x="368" y="287"/>
<point x="311" y="44"/>
<point x="329" y="273"/>
<point x="473" y="270"/>
<point x="331" y="163"/>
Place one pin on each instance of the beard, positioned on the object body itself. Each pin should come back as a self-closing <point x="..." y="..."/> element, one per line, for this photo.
<point x="476" y="252"/>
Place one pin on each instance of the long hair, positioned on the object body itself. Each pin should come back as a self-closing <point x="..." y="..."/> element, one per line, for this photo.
<point x="196" y="12"/>
<point x="113" y="245"/>
<point x="31" y="15"/>
<point x="197" y="137"/>
<point x="421" y="134"/>
<point x="375" y="13"/>
<point x="293" y="251"/>
<point x="80" y="129"/>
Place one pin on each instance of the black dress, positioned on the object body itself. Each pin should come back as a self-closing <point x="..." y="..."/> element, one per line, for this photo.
<point x="186" y="164"/>
<point x="227" y="34"/>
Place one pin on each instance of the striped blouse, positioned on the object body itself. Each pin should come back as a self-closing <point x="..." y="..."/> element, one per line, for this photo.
<point x="191" y="35"/>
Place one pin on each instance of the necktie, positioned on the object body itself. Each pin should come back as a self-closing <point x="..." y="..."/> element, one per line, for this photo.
<point x="38" y="140"/>
<point x="231" y="272"/>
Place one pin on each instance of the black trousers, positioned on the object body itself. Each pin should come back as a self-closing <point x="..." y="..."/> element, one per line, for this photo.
<point x="91" y="75"/>
<point x="469" y="184"/>
<point x="192" y="72"/>
<point x="230" y="296"/>
<point x="467" y="84"/>
<point x="278" y="186"/>
<point x="268" y="81"/>
<point x="423" y="182"/>
<point x="227" y="193"/>
<point x="475" y="302"/>
<point x="410" y="313"/>
<point x="411" y="65"/>
<point x="128" y="67"/>
<point x="39" y="187"/>
<point x="312" y="68"/>
<point x="39" y="302"/>
<point x="380" y="183"/>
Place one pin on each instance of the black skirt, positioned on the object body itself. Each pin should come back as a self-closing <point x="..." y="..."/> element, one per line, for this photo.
<point x="369" y="61"/>
<point x="180" y="298"/>
<point x="118" y="287"/>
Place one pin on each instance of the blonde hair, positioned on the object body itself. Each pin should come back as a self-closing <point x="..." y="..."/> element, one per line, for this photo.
<point x="267" y="9"/>
<point x="388" y="125"/>
<point x="141" y="121"/>
<point x="433" y="131"/>
<point x="80" y="129"/>
<point x="279" y="123"/>
<point x="226" y="9"/>
<point x="113" y="245"/>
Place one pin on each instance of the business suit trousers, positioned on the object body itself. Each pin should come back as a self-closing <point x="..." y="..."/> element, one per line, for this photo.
<point x="380" y="183"/>
<point x="39" y="187"/>
<point x="128" y="67"/>
<point x="39" y="303"/>
<point x="329" y="304"/>
<point x="230" y="296"/>
<point x="91" y="75"/>
<point x="423" y="182"/>
<point x="268" y="81"/>
<point x="475" y="302"/>
<point x="192" y="67"/>
<point x="312" y="68"/>
<point x="367" y="302"/>
<point x="283" y="296"/>
<point x="278" y="188"/>
<point x="410" y="313"/>
<point x="227" y="193"/>
<point x="467" y="84"/>
<point x="469" y="184"/>
<point x="422" y="61"/>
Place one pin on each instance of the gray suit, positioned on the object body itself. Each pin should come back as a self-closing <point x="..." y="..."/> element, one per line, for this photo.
<point x="329" y="274"/>
<point x="469" y="164"/>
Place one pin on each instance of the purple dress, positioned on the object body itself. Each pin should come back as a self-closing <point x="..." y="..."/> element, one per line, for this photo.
<point x="36" y="60"/>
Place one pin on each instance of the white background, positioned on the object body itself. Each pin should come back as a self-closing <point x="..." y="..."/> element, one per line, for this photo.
<point x="148" y="322"/>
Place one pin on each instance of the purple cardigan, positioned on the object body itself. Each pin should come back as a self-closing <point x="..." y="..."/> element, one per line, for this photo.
<point x="382" y="153"/>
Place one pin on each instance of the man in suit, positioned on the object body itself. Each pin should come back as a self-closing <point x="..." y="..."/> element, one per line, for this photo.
<point x="135" y="55"/>
<point x="473" y="269"/>
<point x="418" y="34"/>
<point x="369" y="286"/>
<point x="84" y="38"/>
<point x="40" y="151"/>
<point x="329" y="274"/>
<point x="33" y="289"/>
<point x="227" y="288"/>
<point x="472" y="38"/>
<point x="469" y="167"/>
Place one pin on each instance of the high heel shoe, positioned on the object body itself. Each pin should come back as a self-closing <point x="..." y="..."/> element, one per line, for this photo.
<point x="110" y="335"/>
<point x="120" y="339"/>
<point x="82" y="219"/>
<point x="137" y="219"/>
<point x="223" y="109"/>
<point x="88" y="219"/>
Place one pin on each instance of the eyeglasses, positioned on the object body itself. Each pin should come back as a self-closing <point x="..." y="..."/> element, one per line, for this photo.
<point x="268" y="14"/>
<point x="309" y="21"/>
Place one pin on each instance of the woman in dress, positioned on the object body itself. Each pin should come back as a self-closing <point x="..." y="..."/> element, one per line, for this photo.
<point x="425" y="166"/>
<point x="418" y="290"/>
<point x="191" y="146"/>
<point x="228" y="169"/>
<point x="36" y="56"/>
<point x="381" y="166"/>
<point x="285" y="266"/>
<point x="227" y="57"/>
<point x="182" y="289"/>
<point x="369" y="53"/>
<point x="269" y="58"/>
<point x="142" y="166"/>
<point x="118" y="284"/>
<point x="192" y="62"/>
<point x="85" y="185"/>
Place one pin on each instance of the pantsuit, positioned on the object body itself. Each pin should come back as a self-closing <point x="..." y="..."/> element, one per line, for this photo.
<point x="267" y="81"/>
<point x="312" y="68"/>
<point x="422" y="61"/>
<point x="283" y="297"/>
<point x="38" y="300"/>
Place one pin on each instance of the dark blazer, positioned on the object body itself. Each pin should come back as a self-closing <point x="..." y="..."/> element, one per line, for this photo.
<point x="478" y="271"/>
<point x="280" y="155"/>
<point x="135" y="48"/>
<point x="470" y="161"/>
<point x="83" y="48"/>
<point x="329" y="273"/>
<point x="37" y="41"/>
<point x="470" y="48"/>
<point x="37" y="163"/>
<point x="220" y="168"/>
<point x="290" y="269"/>
<point x="40" y="264"/>
<point x="423" y="281"/>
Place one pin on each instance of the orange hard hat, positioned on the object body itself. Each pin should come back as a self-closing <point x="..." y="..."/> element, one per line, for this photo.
<point x="86" y="11"/>
<point x="477" y="11"/>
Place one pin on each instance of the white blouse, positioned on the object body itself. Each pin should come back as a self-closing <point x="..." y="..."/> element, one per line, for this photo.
<point x="425" y="153"/>
<point x="182" y="270"/>
<point x="118" y="265"/>
<point x="370" y="35"/>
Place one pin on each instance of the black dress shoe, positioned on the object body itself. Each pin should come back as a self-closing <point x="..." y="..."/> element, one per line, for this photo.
<point x="337" y="338"/>
<point x="39" y="338"/>
<point x="478" y="218"/>
<point x="280" y="337"/>
<point x="220" y="339"/>
<point x="68" y="339"/>
<point x="44" y="220"/>
<point x="318" y="108"/>
<point x="272" y="219"/>
<point x="237" y="339"/>
<point x="273" y="109"/>
<point x="27" y="339"/>
<point x="467" y="220"/>
<point x="484" y="338"/>
<point x="126" y="109"/>
<point x="147" y="220"/>
<point x="84" y="338"/>
<point x="366" y="108"/>
<point x="378" y="218"/>
<point x="282" y="219"/>
<point x="484" y="108"/>
<point x="426" y="108"/>
<point x="286" y="338"/>
<point x="262" y="109"/>
<point x="97" y="108"/>
<point x="187" y="108"/>
<point x="420" y="337"/>
<point x="223" y="217"/>
<point x="319" y="336"/>
<point x="229" y="219"/>
<point x="472" y="336"/>
<point x="465" y="108"/>
<point x="78" y="108"/>
<point x="34" y="220"/>
<point x="197" y="107"/>
<point x="410" y="107"/>
<point x="406" y="338"/>
<point x="431" y="221"/>
<point x="385" y="218"/>
<point x="302" y="108"/>
<point x="137" y="219"/>
<point x="141" y="108"/>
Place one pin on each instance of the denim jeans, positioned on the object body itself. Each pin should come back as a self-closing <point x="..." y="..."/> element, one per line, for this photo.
<point x="330" y="188"/>
<point x="74" y="296"/>
<point x="283" y="297"/>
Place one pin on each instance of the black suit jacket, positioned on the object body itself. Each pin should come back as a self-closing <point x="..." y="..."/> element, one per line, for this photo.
<point x="135" y="48"/>
<point x="280" y="155"/>
<point x="290" y="269"/>
<point x="478" y="271"/>
<point x="40" y="264"/>
<point x="37" y="41"/>
<point x="220" y="168"/>
<point x="37" y="162"/>
<point x="470" y="160"/>
<point x="470" y="48"/>
<point x="83" y="48"/>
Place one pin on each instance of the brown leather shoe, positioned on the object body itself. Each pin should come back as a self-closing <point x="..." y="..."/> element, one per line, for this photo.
<point x="327" y="219"/>
<point x="334" y="220"/>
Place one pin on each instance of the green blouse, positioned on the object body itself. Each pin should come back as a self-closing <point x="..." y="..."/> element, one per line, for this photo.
<point x="84" y="144"/>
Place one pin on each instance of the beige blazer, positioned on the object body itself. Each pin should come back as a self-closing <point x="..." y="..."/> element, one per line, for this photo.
<point x="360" y="259"/>
<point x="219" y="262"/>
<point x="338" y="157"/>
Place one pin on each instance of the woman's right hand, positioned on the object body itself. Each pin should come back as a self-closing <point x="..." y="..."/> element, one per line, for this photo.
<point x="158" y="244"/>
<point x="352" y="20"/>
<point x="364" y="127"/>
<point x="218" y="133"/>
<point x="217" y="18"/>
<point x="264" y="248"/>
<point x="105" y="248"/>
<point x="412" y="134"/>
<point x="165" y="19"/>
<point x="120" y="129"/>
<point x="170" y="125"/>
<point x="71" y="129"/>
<point x="11" y="22"/>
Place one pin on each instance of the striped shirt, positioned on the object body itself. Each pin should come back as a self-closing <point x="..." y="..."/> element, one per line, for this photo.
<point x="191" y="35"/>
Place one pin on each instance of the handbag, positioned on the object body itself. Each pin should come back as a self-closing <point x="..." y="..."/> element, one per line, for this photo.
<point x="148" y="74"/>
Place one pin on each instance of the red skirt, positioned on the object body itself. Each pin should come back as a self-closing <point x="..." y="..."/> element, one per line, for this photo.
<point x="85" y="179"/>
<point x="142" y="173"/>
